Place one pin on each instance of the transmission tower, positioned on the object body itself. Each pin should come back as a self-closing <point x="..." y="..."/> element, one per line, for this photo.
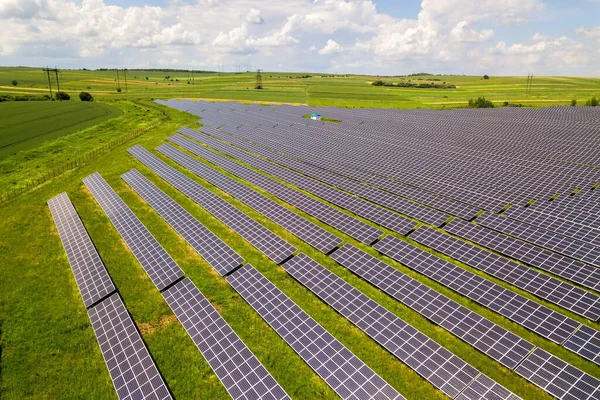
<point x="259" y="84"/>
<point x="125" y="74"/>
<point x="56" y="72"/>
<point x="118" y="81"/>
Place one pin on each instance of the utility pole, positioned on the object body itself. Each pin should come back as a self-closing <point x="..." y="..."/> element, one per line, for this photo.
<point x="125" y="73"/>
<point x="47" y="71"/>
<point x="57" y="84"/>
<point x="258" y="84"/>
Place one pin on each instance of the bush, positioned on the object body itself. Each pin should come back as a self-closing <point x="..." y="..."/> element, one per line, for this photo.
<point x="481" y="102"/>
<point x="506" y="104"/>
<point x="15" y="83"/>
<point x="573" y="103"/>
<point x="486" y="77"/>
<point x="118" y="90"/>
<point x="593" y="102"/>
<point x="377" y="83"/>
<point x="85" y="96"/>
<point x="62" y="96"/>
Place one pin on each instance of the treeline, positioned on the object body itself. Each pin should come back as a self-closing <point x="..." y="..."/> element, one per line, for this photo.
<point x="196" y="71"/>
<point x="420" y="85"/>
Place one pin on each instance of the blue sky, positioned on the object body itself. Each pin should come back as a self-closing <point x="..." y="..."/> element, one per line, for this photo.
<point x="508" y="37"/>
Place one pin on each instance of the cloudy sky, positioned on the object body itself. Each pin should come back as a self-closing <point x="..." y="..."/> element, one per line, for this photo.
<point x="499" y="37"/>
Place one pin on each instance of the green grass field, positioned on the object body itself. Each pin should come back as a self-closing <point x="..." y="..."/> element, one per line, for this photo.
<point x="338" y="90"/>
<point x="26" y="124"/>
<point x="47" y="346"/>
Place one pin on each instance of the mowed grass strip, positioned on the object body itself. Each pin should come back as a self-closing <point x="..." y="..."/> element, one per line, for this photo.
<point x="26" y="124"/>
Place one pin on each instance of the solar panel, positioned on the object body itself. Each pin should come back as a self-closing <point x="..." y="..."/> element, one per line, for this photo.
<point x="363" y="208"/>
<point x="131" y="368"/>
<point x="586" y="343"/>
<point x="544" y="286"/>
<point x="220" y="256"/>
<point x="558" y="378"/>
<point x="312" y="234"/>
<point x="575" y="271"/>
<point x="489" y="338"/>
<point x="343" y="222"/>
<point x="239" y="370"/>
<point x="541" y="237"/>
<point x="155" y="260"/>
<point x="91" y="276"/>
<point x="260" y="237"/>
<point x="345" y="373"/>
<point x="540" y="319"/>
<point x="484" y="388"/>
<point x="433" y="362"/>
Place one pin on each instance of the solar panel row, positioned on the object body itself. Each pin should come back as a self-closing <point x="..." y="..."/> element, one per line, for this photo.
<point x="130" y="366"/>
<point x="220" y="256"/>
<point x="331" y="216"/>
<point x="443" y="369"/>
<point x="345" y="373"/>
<point x="540" y="319"/>
<point x="360" y="207"/>
<point x="556" y="291"/>
<point x="312" y="234"/>
<point x="561" y="244"/>
<point x="239" y="370"/>
<point x="489" y="338"/>
<point x="565" y="267"/>
<point x="91" y="276"/>
<point x="159" y="266"/>
<point x="256" y="234"/>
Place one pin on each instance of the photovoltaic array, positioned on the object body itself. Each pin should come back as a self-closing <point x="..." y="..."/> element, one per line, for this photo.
<point x="239" y="370"/>
<point x="437" y="182"/>
<point x="256" y="234"/>
<point x="331" y="360"/>
<point x="220" y="256"/>
<point x="91" y="276"/>
<point x="159" y="266"/>
<point x="129" y="363"/>
<point x="443" y="369"/>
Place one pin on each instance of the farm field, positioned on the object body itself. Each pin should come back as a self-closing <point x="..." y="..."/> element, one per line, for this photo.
<point x="294" y="88"/>
<point x="27" y="124"/>
<point x="48" y="348"/>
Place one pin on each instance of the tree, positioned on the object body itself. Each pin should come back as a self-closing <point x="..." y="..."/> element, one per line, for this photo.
<point x="573" y="103"/>
<point x="85" y="96"/>
<point x="62" y="96"/>
<point x="486" y="77"/>
<point x="593" y="102"/>
<point x="118" y="90"/>
<point x="146" y="78"/>
<point x="377" y="83"/>
<point x="481" y="102"/>
<point x="15" y="83"/>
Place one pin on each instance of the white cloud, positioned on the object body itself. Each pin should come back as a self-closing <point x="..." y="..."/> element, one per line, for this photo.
<point x="332" y="47"/>
<point x="445" y="36"/>
<point x="254" y="16"/>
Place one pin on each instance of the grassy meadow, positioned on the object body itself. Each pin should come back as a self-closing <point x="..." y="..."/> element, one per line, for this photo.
<point x="47" y="346"/>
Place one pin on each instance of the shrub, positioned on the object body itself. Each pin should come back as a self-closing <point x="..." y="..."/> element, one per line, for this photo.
<point x="85" y="96"/>
<point x="118" y="90"/>
<point x="481" y="102"/>
<point x="593" y="102"/>
<point x="486" y="77"/>
<point x="377" y="83"/>
<point x="15" y="83"/>
<point x="573" y="103"/>
<point x="506" y="104"/>
<point x="62" y="96"/>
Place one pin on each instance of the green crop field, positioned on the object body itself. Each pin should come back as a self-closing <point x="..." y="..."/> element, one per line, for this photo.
<point x="26" y="124"/>
<point x="47" y="346"/>
<point x="293" y="88"/>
